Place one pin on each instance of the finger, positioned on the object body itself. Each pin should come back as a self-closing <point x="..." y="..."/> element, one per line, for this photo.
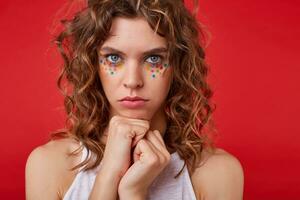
<point x="142" y="123"/>
<point x="120" y="119"/>
<point x="139" y="134"/>
<point x="138" y="130"/>
<point x="164" y="150"/>
<point x="143" y="152"/>
<point x="136" y="139"/>
<point x="155" y="141"/>
<point x="159" y="137"/>
<point x="156" y="145"/>
<point x="135" y="121"/>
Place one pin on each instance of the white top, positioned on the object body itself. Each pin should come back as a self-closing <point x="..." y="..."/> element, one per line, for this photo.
<point x="165" y="186"/>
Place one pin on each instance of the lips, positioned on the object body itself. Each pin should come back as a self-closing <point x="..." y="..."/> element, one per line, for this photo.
<point x="133" y="102"/>
<point x="135" y="98"/>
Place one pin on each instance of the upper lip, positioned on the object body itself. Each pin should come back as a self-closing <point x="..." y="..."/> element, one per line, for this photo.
<point x="133" y="98"/>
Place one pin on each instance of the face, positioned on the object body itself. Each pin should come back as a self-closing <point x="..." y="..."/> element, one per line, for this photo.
<point x="133" y="63"/>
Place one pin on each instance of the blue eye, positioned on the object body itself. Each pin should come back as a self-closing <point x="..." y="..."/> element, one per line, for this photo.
<point x="154" y="59"/>
<point x="114" y="58"/>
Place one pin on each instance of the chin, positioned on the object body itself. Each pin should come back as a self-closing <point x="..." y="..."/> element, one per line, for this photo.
<point x="137" y="114"/>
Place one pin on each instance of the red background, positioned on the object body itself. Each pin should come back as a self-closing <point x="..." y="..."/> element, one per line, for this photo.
<point x="254" y="58"/>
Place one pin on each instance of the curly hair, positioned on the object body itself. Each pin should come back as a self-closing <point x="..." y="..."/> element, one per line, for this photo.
<point x="188" y="104"/>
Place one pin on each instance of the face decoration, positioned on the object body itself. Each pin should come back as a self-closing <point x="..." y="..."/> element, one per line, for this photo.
<point x="156" y="68"/>
<point x="112" y="67"/>
<point x="130" y="62"/>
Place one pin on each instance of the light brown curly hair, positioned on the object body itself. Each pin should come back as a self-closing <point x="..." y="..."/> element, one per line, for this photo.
<point x="188" y="107"/>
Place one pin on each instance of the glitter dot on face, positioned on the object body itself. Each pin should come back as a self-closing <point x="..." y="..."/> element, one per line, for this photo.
<point x="110" y="68"/>
<point x="153" y="68"/>
<point x="156" y="68"/>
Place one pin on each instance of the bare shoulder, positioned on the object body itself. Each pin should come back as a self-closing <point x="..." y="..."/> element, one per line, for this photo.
<point x="45" y="167"/>
<point x="220" y="176"/>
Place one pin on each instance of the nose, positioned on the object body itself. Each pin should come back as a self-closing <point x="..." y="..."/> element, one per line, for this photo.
<point x="133" y="77"/>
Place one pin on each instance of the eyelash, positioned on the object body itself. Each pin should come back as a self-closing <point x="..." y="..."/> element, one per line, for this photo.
<point x="159" y="56"/>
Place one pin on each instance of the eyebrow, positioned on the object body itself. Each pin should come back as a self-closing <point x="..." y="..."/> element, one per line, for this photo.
<point x="154" y="50"/>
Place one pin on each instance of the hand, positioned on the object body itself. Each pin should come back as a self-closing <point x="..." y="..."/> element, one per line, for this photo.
<point x="121" y="132"/>
<point x="150" y="158"/>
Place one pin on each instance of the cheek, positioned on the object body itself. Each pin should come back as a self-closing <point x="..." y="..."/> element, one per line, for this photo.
<point x="155" y="70"/>
<point x="110" y="68"/>
<point x="105" y="80"/>
<point x="159" y="87"/>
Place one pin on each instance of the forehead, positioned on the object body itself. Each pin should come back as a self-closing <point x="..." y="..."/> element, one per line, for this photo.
<point x="135" y="33"/>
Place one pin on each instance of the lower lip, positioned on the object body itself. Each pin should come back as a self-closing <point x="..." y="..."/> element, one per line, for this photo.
<point x="133" y="104"/>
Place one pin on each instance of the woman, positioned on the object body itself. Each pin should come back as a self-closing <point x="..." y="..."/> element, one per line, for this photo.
<point x="138" y="110"/>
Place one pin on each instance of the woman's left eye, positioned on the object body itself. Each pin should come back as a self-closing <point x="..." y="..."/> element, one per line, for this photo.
<point x="154" y="59"/>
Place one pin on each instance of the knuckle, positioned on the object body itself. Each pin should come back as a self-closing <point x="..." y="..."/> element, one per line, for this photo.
<point x="121" y="129"/>
<point x="162" y="160"/>
<point x="141" y="142"/>
<point x="114" y="121"/>
<point x="154" y="160"/>
<point x="146" y="124"/>
<point x="167" y="158"/>
<point x="114" y="118"/>
<point x="126" y="130"/>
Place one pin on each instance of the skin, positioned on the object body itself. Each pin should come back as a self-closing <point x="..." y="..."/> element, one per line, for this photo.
<point x="132" y="77"/>
<point x="128" y="66"/>
<point x="137" y="131"/>
<point x="112" y="65"/>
